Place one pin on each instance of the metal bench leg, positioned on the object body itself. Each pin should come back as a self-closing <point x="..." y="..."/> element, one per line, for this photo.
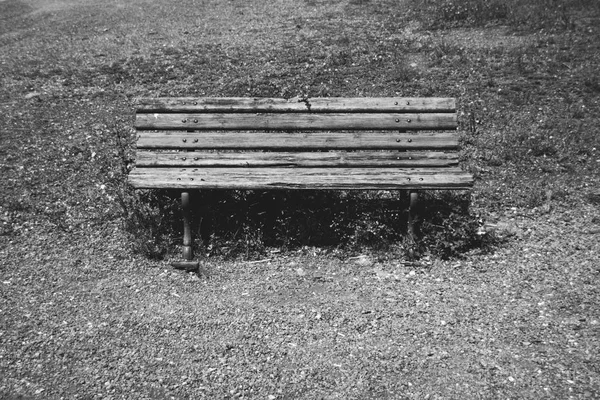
<point x="414" y="197"/>
<point x="188" y="253"/>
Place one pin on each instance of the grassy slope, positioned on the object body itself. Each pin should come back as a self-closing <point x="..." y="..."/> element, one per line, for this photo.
<point x="83" y="316"/>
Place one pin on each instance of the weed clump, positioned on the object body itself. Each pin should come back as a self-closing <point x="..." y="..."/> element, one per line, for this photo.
<point x="243" y="222"/>
<point x="150" y="219"/>
<point x="246" y="224"/>
<point x="290" y="219"/>
<point x="447" y="228"/>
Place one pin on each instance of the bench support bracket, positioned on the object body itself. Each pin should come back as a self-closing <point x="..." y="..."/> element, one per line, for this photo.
<point x="414" y="198"/>
<point x="188" y="262"/>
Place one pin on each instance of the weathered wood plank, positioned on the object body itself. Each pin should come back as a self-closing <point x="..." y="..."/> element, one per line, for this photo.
<point x="299" y="178"/>
<point x="307" y="159"/>
<point x="304" y="140"/>
<point x="296" y="121"/>
<point x="273" y="105"/>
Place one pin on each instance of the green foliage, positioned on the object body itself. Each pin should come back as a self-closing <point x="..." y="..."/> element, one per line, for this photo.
<point x="447" y="229"/>
<point x="237" y="223"/>
<point x="149" y="217"/>
<point x="472" y="11"/>
<point x="529" y="14"/>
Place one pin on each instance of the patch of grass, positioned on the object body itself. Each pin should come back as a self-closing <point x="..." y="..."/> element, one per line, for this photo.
<point x="448" y="228"/>
<point x="11" y="12"/>
<point x="248" y="223"/>
<point x="293" y="219"/>
<point x="150" y="218"/>
<point x="522" y="15"/>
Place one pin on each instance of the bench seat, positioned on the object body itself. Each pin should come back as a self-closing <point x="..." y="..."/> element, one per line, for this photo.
<point x="299" y="178"/>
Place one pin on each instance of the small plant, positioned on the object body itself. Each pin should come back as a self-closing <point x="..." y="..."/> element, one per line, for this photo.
<point x="447" y="229"/>
<point x="148" y="216"/>
<point x="246" y="223"/>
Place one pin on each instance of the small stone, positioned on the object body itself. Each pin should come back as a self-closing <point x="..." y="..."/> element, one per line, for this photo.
<point x="32" y="95"/>
<point x="363" y="261"/>
<point x="382" y="274"/>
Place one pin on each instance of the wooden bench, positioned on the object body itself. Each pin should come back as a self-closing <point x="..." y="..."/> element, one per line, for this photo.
<point x="301" y="143"/>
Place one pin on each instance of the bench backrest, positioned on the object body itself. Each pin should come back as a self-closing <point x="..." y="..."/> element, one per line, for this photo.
<point x="303" y="133"/>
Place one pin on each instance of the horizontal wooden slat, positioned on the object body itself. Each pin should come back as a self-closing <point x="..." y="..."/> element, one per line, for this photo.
<point x="296" y="121"/>
<point x="328" y="104"/>
<point x="305" y="140"/>
<point x="299" y="178"/>
<point x="311" y="159"/>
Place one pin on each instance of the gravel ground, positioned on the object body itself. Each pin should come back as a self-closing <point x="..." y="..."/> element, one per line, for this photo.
<point x="86" y="319"/>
